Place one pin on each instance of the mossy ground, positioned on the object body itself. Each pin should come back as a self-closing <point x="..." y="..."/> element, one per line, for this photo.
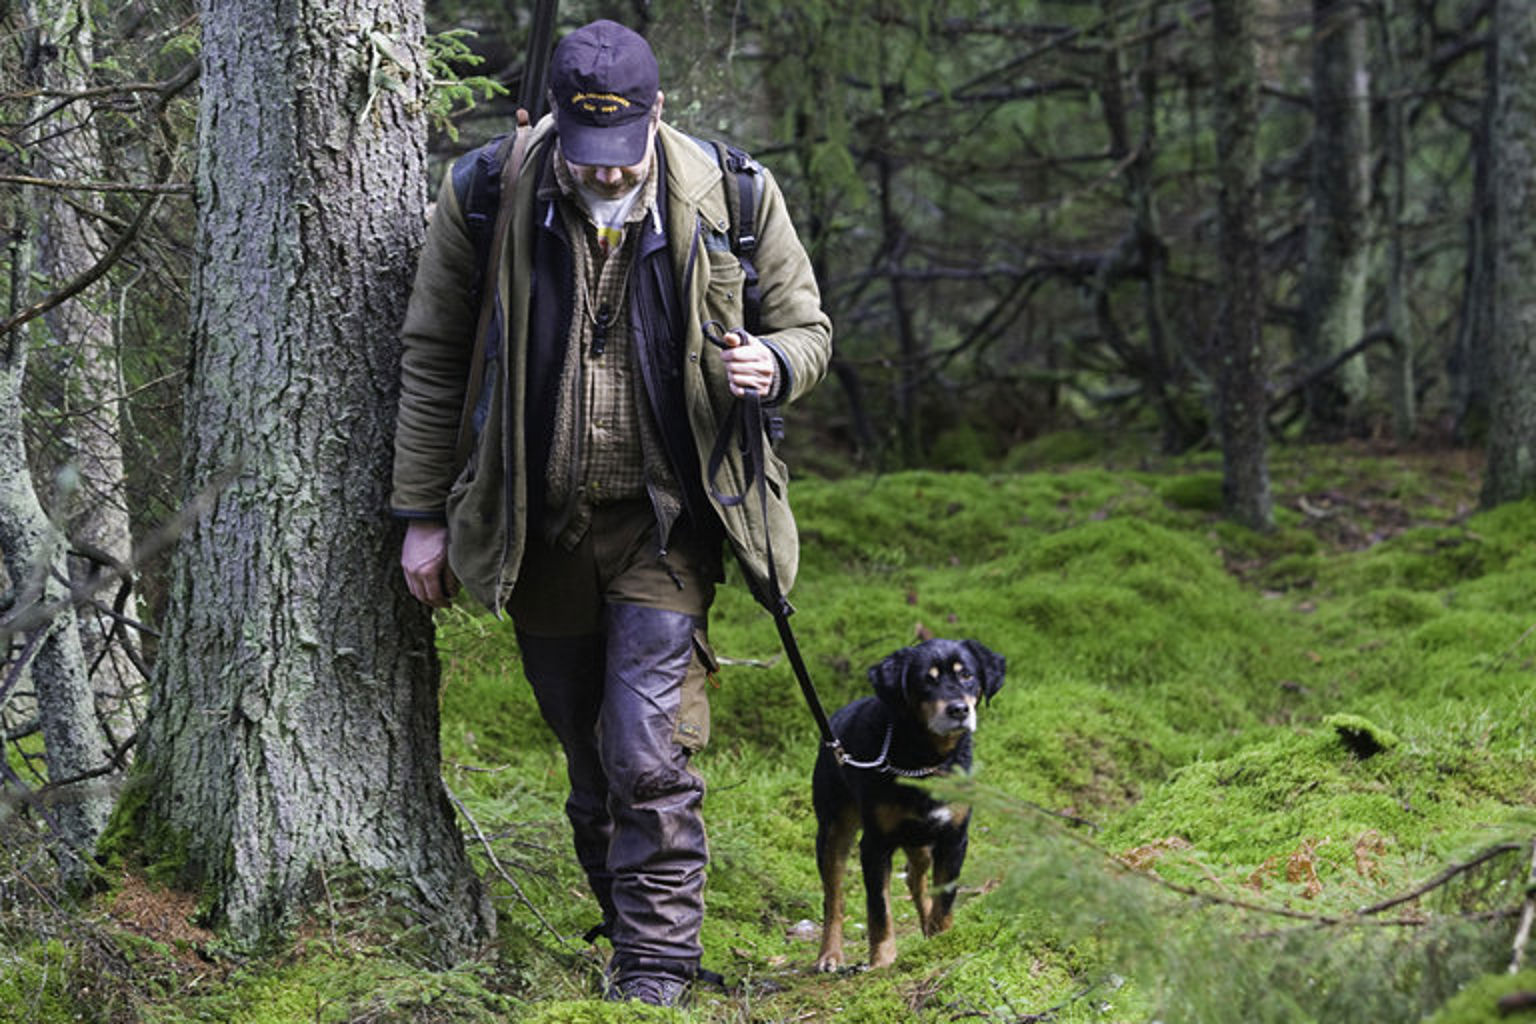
<point x="1313" y="721"/>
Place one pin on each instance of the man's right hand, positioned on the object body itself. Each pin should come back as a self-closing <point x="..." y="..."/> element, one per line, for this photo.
<point x="424" y="557"/>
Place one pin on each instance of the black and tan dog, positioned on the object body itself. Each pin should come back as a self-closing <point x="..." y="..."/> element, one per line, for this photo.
<point x="918" y="724"/>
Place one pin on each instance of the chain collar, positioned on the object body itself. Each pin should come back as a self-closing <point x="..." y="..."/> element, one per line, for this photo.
<point x="882" y="761"/>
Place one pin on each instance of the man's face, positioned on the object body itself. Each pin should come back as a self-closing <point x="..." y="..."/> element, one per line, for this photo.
<point x="617" y="182"/>
<point x="610" y="182"/>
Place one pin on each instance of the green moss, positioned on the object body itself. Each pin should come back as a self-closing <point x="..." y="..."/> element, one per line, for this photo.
<point x="1266" y="800"/>
<point x="1479" y="1002"/>
<point x="1363" y="737"/>
<point x="1281" y="717"/>
<point x="340" y="986"/>
<point x="1060" y="448"/>
<point x="960" y="448"/>
<point x="44" y="981"/>
<point x="1198" y="491"/>
<point x="1395" y="607"/>
<point x="136" y="835"/>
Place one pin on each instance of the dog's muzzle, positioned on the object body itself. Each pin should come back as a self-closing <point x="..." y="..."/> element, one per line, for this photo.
<point x="953" y="716"/>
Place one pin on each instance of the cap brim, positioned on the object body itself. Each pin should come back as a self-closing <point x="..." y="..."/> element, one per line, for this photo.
<point x="620" y="145"/>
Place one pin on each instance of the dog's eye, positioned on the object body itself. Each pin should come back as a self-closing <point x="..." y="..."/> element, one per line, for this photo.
<point x="933" y="673"/>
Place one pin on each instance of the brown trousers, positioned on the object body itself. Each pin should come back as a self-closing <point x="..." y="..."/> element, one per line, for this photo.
<point x="613" y="643"/>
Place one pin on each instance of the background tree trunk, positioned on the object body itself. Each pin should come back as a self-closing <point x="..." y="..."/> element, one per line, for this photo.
<point x="1471" y="376"/>
<point x="83" y="351"/>
<point x="1399" y="325"/>
<point x="293" y="721"/>
<point x="34" y="549"/>
<point x="1511" y="472"/>
<point x="1333" y="288"/>
<point x="1240" y="378"/>
<point x="1139" y="158"/>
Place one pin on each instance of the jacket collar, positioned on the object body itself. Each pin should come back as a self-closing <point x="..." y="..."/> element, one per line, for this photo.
<point x="693" y="176"/>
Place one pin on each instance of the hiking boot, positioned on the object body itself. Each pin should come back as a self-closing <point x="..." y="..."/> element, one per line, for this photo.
<point x="651" y="989"/>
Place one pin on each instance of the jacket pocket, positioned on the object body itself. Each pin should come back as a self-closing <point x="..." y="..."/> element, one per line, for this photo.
<point x="723" y="296"/>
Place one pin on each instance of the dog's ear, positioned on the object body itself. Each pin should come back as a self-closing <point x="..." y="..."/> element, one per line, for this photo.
<point x="990" y="666"/>
<point x="889" y="679"/>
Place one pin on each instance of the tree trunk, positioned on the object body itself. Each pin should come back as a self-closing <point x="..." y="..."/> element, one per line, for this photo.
<point x="1158" y="368"/>
<point x="1240" y="376"/>
<point x="910" y="373"/>
<point x="34" y="549"/>
<point x="293" y="725"/>
<point x="1401" y="385"/>
<point x="83" y="350"/>
<point x="1511" y="473"/>
<point x="1471" y="377"/>
<point x="1333" y="287"/>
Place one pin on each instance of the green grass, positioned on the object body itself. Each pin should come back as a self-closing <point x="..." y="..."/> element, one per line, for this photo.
<point x="1310" y="721"/>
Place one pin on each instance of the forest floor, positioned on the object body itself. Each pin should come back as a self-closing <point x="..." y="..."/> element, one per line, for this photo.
<point x="1286" y="777"/>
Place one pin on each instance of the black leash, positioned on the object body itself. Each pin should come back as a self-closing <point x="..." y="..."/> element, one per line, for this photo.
<point x="748" y="421"/>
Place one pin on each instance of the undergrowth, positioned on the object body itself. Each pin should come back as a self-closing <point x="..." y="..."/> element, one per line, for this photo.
<point x="1283" y="777"/>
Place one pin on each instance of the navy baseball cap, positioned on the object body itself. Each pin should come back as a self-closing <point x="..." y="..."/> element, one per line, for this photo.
<point x="602" y="82"/>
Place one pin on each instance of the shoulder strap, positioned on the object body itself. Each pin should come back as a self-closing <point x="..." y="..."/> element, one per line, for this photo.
<point x="737" y="165"/>
<point x="510" y="153"/>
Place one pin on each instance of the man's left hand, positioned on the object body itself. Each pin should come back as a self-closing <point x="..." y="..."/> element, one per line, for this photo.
<point x="749" y="365"/>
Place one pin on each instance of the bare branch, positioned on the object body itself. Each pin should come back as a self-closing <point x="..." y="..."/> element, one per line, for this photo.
<point x="65" y="184"/>
<point x="87" y="278"/>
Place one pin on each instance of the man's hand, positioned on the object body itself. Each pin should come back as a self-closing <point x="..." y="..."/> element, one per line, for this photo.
<point x="424" y="557"/>
<point x="749" y="364"/>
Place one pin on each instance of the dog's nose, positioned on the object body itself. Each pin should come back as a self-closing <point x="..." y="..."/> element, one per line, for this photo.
<point x="959" y="710"/>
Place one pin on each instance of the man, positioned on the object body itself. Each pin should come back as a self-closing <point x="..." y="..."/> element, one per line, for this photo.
<point x="583" y="508"/>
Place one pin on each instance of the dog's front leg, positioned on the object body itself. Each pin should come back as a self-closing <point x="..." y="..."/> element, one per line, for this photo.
<point x="834" y="841"/>
<point x="948" y="857"/>
<point x="919" y="862"/>
<point x="875" y="858"/>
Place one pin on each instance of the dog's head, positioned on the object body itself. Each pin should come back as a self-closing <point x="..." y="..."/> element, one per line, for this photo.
<point x="939" y="682"/>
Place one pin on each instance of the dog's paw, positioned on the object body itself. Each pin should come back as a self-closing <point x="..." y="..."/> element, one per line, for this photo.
<point x="829" y="962"/>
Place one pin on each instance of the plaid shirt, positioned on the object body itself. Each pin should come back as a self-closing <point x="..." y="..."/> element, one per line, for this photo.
<point x="605" y="448"/>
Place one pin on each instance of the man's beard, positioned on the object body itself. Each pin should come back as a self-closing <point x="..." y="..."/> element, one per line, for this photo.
<point x="629" y="180"/>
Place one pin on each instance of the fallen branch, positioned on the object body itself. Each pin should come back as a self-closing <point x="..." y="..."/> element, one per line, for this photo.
<point x="1360" y="916"/>
<point x="1497" y="850"/>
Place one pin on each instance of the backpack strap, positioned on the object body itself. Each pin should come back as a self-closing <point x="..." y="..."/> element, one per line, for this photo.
<point x="477" y="203"/>
<point x="736" y="164"/>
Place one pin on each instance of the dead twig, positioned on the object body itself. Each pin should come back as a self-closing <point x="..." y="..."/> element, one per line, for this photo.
<point x="490" y="852"/>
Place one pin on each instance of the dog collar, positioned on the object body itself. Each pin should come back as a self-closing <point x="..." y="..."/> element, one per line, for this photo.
<point x="882" y="761"/>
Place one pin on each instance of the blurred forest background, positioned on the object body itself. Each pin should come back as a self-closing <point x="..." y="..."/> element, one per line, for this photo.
<point x="1014" y="209"/>
<point x="1224" y="225"/>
